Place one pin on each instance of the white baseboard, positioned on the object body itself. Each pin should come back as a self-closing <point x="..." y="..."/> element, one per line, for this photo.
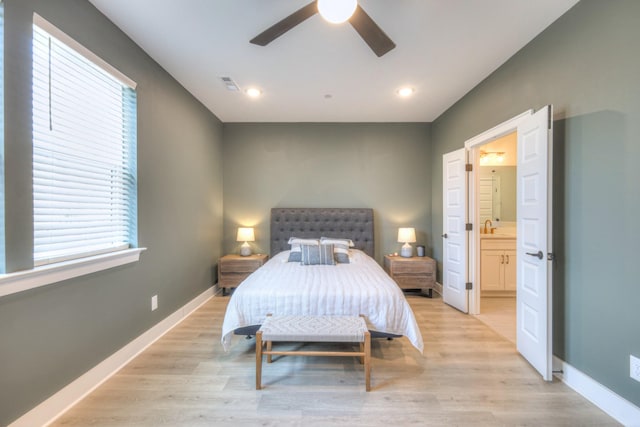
<point x="52" y="408"/>
<point x="617" y="407"/>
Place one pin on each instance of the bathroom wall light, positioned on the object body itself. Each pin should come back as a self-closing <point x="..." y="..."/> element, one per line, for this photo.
<point x="491" y="157"/>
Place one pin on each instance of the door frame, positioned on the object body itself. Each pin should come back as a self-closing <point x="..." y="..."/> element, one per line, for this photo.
<point x="473" y="145"/>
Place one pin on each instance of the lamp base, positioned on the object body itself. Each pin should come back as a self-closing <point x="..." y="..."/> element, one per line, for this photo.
<point x="245" y="249"/>
<point x="406" y="251"/>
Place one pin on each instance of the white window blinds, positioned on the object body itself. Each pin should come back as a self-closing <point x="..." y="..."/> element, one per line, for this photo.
<point x="84" y="155"/>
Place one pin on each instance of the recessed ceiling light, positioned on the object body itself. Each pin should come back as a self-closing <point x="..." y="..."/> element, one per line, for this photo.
<point x="253" y="92"/>
<point x="405" y="91"/>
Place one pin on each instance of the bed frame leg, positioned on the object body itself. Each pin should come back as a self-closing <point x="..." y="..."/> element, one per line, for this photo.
<point x="367" y="360"/>
<point x="259" y="360"/>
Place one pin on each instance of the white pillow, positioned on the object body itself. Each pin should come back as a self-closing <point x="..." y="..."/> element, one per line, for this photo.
<point x="334" y="240"/>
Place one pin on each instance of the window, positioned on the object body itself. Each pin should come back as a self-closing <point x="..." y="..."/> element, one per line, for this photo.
<point x="84" y="151"/>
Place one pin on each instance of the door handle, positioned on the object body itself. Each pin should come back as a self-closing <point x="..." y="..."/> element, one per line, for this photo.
<point x="539" y="255"/>
<point x="445" y="235"/>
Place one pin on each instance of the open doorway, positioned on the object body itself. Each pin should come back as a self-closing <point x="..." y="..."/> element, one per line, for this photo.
<point x="534" y="252"/>
<point x="496" y="181"/>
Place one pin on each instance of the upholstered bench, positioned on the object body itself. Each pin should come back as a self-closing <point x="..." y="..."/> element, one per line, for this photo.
<point x="313" y="329"/>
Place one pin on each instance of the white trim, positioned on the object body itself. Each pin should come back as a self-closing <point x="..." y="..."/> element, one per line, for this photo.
<point x="55" y="406"/>
<point x="472" y="144"/>
<point x="614" y="405"/>
<point x="497" y="131"/>
<point x="64" y="38"/>
<point x="51" y="273"/>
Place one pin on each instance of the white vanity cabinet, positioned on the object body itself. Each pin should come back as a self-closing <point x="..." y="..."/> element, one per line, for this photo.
<point x="498" y="264"/>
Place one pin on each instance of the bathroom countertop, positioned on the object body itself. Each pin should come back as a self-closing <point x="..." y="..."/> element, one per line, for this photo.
<point x="498" y="235"/>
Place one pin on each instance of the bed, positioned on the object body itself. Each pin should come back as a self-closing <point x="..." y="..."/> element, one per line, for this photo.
<point x="360" y="286"/>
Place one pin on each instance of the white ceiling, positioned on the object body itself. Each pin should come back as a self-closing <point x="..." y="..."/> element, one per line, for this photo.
<point x="444" y="48"/>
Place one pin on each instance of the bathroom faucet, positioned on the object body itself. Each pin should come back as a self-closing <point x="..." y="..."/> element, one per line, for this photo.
<point x="485" y="225"/>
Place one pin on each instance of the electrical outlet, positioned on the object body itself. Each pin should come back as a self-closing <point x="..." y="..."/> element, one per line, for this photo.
<point x="154" y="302"/>
<point x="634" y="370"/>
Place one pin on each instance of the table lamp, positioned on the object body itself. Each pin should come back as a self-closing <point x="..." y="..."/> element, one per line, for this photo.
<point x="245" y="234"/>
<point x="406" y="235"/>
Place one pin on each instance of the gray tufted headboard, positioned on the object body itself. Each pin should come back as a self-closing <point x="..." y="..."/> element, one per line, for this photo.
<point x="352" y="223"/>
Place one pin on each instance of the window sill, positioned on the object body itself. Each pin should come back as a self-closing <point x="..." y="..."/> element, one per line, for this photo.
<point x="41" y="276"/>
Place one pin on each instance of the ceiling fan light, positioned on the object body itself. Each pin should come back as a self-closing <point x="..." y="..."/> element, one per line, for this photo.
<point x="337" y="11"/>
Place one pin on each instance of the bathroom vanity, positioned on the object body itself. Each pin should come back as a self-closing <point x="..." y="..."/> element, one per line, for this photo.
<point x="498" y="264"/>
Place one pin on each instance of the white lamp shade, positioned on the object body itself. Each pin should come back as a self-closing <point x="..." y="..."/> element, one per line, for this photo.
<point x="337" y="11"/>
<point x="407" y="235"/>
<point x="245" y="234"/>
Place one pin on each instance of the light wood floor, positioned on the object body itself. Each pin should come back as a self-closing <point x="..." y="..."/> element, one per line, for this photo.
<point x="500" y="315"/>
<point x="468" y="375"/>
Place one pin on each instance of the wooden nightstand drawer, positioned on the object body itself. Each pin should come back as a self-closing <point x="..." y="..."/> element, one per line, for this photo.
<point x="412" y="273"/>
<point x="412" y="267"/>
<point x="240" y="265"/>
<point x="410" y="282"/>
<point x="233" y="269"/>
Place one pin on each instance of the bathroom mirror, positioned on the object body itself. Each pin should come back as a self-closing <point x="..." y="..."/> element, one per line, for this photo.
<point x="498" y="193"/>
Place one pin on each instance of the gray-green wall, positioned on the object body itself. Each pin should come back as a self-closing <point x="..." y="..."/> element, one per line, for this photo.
<point x="51" y="335"/>
<point x="384" y="166"/>
<point x="587" y="65"/>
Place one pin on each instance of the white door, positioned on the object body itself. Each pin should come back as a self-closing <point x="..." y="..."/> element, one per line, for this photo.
<point x="454" y="238"/>
<point x="533" y="293"/>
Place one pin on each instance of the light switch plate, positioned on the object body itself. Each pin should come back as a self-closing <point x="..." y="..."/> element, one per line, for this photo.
<point x="634" y="367"/>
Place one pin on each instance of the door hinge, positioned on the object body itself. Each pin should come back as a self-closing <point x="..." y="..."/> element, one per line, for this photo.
<point x="468" y="167"/>
<point x="551" y="256"/>
<point x="469" y="286"/>
<point x="468" y="226"/>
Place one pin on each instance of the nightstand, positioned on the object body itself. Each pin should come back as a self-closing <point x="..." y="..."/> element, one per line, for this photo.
<point x="412" y="273"/>
<point x="233" y="269"/>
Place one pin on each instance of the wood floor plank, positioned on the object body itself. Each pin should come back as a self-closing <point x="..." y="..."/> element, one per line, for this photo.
<point x="468" y="375"/>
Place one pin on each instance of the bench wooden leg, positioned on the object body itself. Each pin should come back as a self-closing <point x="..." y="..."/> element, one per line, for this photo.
<point x="259" y="360"/>
<point x="269" y="357"/>
<point x="367" y="360"/>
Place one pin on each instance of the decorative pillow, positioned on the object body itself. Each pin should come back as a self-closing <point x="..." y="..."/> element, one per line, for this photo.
<point x="317" y="255"/>
<point x="340" y="248"/>
<point x="295" y="255"/>
<point x="334" y="240"/>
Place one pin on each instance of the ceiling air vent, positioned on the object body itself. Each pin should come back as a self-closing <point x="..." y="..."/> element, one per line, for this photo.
<point x="230" y="84"/>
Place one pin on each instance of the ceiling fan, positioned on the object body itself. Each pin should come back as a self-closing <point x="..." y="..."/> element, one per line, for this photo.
<point x="370" y="32"/>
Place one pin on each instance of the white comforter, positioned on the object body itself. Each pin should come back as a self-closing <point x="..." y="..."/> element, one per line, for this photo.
<point x="288" y="288"/>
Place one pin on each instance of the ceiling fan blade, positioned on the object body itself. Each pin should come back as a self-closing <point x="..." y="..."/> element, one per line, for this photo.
<point x="276" y="30"/>
<point x="373" y="35"/>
